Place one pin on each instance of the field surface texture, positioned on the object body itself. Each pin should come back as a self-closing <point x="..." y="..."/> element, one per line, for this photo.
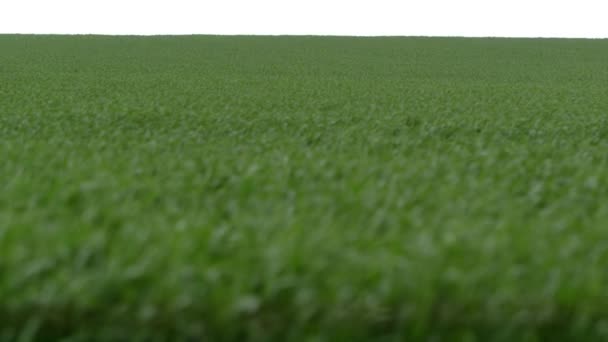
<point x="303" y="188"/>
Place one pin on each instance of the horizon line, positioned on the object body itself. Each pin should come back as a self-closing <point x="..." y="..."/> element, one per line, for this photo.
<point x="291" y="35"/>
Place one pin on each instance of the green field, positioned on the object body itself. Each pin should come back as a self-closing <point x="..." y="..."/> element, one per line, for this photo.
<point x="303" y="188"/>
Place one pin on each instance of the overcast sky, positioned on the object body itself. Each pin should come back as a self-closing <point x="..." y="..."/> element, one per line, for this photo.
<point x="511" y="18"/>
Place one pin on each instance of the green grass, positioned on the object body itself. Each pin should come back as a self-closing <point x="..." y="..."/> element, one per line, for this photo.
<point x="295" y="188"/>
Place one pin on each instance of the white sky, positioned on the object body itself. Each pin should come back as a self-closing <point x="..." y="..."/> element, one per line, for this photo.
<point x="513" y="18"/>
